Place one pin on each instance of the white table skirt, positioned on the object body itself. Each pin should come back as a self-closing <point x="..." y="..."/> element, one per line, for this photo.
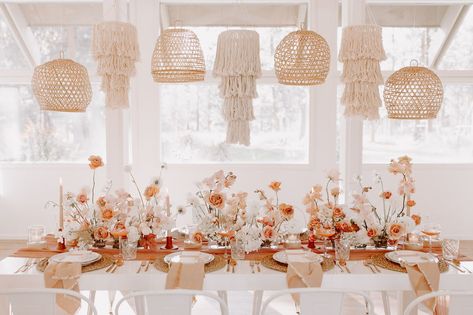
<point x="126" y="278"/>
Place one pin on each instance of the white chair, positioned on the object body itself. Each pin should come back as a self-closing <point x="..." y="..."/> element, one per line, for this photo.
<point x="460" y="302"/>
<point x="176" y="302"/>
<point x="35" y="301"/>
<point x="319" y="301"/>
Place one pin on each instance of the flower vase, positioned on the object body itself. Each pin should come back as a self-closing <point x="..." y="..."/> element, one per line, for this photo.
<point x="99" y="243"/>
<point x="380" y="242"/>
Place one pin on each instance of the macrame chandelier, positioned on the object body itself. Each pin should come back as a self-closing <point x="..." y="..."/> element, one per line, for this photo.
<point x="238" y="64"/>
<point x="302" y="58"/>
<point x="62" y="85"/>
<point x="177" y="57"/>
<point x="413" y="93"/>
<point x="361" y="52"/>
<point x="115" y="48"/>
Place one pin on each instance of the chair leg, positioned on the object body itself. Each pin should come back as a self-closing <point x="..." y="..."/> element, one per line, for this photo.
<point x="92" y="300"/>
<point x="386" y="305"/>
<point x="111" y="300"/>
<point x="140" y="305"/>
<point x="224" y="296"/>
<point x="257" y="301"/>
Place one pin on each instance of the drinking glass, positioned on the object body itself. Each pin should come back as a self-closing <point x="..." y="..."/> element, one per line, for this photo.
<point x="450" y="249"/>
<point x="128" y="249"/>
<point x="36" y="234"/>
<point x="237" y="249"/>
<point x="431" y="230"/>
<point x="326" y="233"/>
<point x="342" y="250"/>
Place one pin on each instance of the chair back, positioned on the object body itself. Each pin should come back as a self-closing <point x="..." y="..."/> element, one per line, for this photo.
<point x="35" y="301"/>
<point x="317" y="301"/>
<point x="459" y="302"/>
<point x="176" y="302"/>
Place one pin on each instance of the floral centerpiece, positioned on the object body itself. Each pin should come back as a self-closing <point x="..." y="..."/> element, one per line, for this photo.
<point x="394" y="221"/>
<point x="327" y="217"/>
<point x="275" y="214"/>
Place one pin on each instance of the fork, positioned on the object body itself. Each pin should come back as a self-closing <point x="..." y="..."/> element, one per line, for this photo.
<point x="25" y="265"/>
<point x="368" y="265"/>
<point x="257" y="265"/>
<point x="142" y="265"/>
<point x="370" y="261"/>
<point x="343" y="263"/>
<point x="252" y="265"/>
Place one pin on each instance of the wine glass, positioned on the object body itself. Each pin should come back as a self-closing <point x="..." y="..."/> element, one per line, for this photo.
<point x="225" y="233"/>
<point x="431" y="230"/>
<point x="326" y="233"/>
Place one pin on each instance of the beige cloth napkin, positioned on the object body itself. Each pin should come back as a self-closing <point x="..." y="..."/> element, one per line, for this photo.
<point x="301" y="273"/>
<point x="64" y="276"/>
<point x="425" y="278"/>
<point x="187" y="274"/>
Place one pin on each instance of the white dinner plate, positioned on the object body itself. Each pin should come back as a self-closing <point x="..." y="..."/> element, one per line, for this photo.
<point x="410" y="257"/>
<point x="177" y="257"/>
<point x="84" y="257"/>
<point x="281" y="257"/>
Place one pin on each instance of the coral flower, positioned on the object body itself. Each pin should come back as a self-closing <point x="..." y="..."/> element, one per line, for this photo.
<point x="95" y="162"/>
<point x="395" y="230"/>
<point x="411" y="203"/>
<point x="151" y="191"/>
<point x="101" y="202"/>
<point x="338" y="212"/>
<point x="417" y="219"/>
<point x="107" y="214"/>
<point x="197" y="237"/>
<point x="372" y="232"/>
<point x="386" y="195"/>
<point x="82" y="198"/>
<point x="287" y="211"/>
<point x="268" y="232"/>
<point x="101" y="233"/>
<point x="276" y="186"/>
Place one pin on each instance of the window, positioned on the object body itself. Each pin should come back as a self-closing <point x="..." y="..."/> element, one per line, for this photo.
<point x="447" y="139"/>
<point x="11" y="57"/>
<point x="193" y="129"/>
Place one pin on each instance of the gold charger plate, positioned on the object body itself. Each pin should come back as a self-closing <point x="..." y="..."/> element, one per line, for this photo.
<point x="381" y="261"/>
<point x="104" y="262"/>
<point x="216" y="264"/>
<point x="269" y="262"/>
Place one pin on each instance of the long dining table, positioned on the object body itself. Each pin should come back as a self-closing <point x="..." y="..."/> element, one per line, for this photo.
<point x="126" y="278"/>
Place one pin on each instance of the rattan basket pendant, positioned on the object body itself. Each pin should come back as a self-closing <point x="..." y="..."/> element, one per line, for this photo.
<point x="413" y="93"/>
<point x="302" y="58"/>
<point x="177" y="57"/>
<point x="62" y="85"/>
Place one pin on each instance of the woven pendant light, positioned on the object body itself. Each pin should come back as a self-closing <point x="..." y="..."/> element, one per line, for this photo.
<point x="413" y="93"/>
<point x="177" y="57"/>
<point x="302" y="58"/>
<point x="62" y="85"/>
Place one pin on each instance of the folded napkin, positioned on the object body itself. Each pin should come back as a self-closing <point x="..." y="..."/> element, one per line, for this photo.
<point x="64" y="276"/>
<point x="424" y="278"/>
<point x="187" y="274"/>
<point x="302" y="273"/>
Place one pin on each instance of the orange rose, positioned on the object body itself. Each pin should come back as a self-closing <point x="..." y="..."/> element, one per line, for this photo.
<point x="287" y="210"/>
<point x="82" y="198"/>
<point x="151" y="191"/>
<point x="417" y="219"/>
<point x="107" y="214"/>
<point x="411" y="203"/>
<point x="268" y="232"/>
<point x="372" y="233"/>
<point x="119" y="226"/>
<point x="355" y="227"/>
<point x="101" y="202"/>
<point x="95" y="161"/>
<point x="338" y="212"/>
<point x="197" y="237"/>
<point x="395" y="231"/>
<point x="217" y="200"/>
<point x="276" y="186"/>
<point x="386" y="195"/>
<point x="314" y="222"/>
<point x="101" y="233"/>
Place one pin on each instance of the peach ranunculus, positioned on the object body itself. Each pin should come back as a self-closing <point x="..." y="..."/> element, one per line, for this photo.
<point x="417" y="219"/>
<point x="276" y="186"/>
<point x="151" y="191"/>
<point x="119" y="226"/>
<point x="395" y="231"/>
<point x="371" y="232"/>
<point x="287" y="210"/>
<point x="95" y="162"/>
<point x="82" y="198"/>
<point x="101" y="233"/>
<point x="386" y="195"/>
<point x="107" y="213"/>
<point x="101" y="202"/>
<point x="217" y="200"/>
<point x="338" y="212"/>
<point x="411" y="203"/>
<point x="314" y="223"/>
<point x="268" y="232"/>
<point x="197" y="237"/>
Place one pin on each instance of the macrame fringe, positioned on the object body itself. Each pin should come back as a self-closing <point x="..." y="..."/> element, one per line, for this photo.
<point x="115" y="48"/>
<point x="238" y="63"/>
<point x="361" y="99"/>
<point x="362" y="42"/>
<point x="364" y="70"/>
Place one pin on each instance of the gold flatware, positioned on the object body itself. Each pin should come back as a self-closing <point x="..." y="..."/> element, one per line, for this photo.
<point x="142" y="265"/>
<point x="338" y="265"/>
<point x="228" y="264"/>
<point x="368" y="265"/>
<point x="370" y="261"/>
<point x="455" y="266"/>
<point x="459" y="264"/>
<point x="147" y="265"/>
<point x="25" y="265"/>
<point x="252" y="265"/>
<point x="257" y="265"/>
<point x="343" y="263"/>
<point x="119" y="263"/>
<point x="233" y="264"/>
<point x="111" y="266"/>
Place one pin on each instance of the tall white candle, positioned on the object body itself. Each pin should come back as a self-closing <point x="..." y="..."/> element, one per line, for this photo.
<point x="167" y="204"/>
<point x="61" y="204"/>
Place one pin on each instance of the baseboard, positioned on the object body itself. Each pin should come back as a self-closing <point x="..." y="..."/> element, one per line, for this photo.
<point x="9" y="237"/>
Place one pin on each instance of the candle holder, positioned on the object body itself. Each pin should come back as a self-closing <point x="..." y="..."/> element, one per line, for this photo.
<point x="61" y="244"/>
<point x="311" y="243"/>
<point x="169" y="244"/>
